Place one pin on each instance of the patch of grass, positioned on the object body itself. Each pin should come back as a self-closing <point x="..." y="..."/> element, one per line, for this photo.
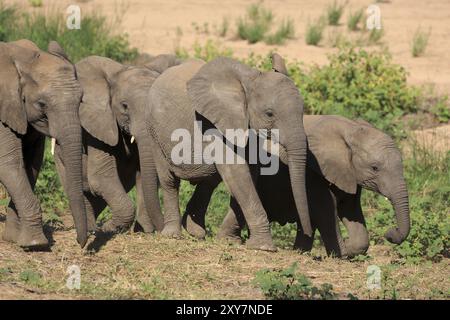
<point x="96" y="36"/>
<point x="355" y="19"/>
<point x="334" y="13"/>
<point x="254" y="26"/>
<point x="287" y="284"/>
<point x="285" y="31"/>
<point x="31" y="277"/>
<point x="314" y="32"/>
<point x="224" y="26"/>
<point x="420" y="42"/>
<point x="36" y="3"/>
<point x="375" y="35"/>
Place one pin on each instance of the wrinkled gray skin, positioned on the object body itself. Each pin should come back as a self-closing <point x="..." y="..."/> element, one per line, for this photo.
<point x="39" y="96"/>
<point x="344" y="156"/>
<point x="111" y="113"/>
<point x="227" y="95"/>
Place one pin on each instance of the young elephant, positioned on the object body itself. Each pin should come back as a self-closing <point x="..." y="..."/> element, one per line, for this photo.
<point x="344" y="156"/>
<point x="226" y="94"/>
<point x="115" y="97"/>
<point x="39" y="96"/>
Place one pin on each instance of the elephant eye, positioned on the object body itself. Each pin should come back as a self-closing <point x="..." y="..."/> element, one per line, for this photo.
<point x="269" y="113"/>
<point x="375" y="168"/>
<point x="40" y="105"/>
<point x="124" y="106"/>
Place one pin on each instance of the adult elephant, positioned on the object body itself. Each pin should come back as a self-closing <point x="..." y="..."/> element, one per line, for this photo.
<point x="112" y="115"/>
<point x="344" y="157"/>
<point x="225" y="94"/>
<point x="39" y="96"/>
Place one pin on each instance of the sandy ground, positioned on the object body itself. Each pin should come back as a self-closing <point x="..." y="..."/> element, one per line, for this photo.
<point x="152" y="27"/>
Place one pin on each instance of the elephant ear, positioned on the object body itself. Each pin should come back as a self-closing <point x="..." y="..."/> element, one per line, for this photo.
<point x="14" y="59"/>
<point x="278" y="64"/>
<point x="162" y="62"/>
<point x="95" y="75"/>
<point x="327" y="141"/>
<point x="55" y="49"/>
<point x="218" y="91"/>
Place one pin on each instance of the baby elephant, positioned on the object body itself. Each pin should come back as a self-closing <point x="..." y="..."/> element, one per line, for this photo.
<point x="115" y="147"/>
<point x="344" y="156"/>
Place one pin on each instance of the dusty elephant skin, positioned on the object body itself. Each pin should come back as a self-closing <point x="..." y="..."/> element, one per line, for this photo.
<point x="226" y="94"/>
<point x="112" y="116"/>
<point x="39" y="96"/>
<point x="344" y="156"/>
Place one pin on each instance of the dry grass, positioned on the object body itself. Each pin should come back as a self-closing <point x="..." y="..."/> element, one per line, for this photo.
<point x="150" y="267"/>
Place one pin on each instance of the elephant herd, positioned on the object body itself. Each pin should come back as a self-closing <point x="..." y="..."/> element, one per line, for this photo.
<point x="112" y="127"/>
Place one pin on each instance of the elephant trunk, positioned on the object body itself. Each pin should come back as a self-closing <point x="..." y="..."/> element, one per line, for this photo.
<point x="71" y="147"/>
<point x="400" y="202"/>
<point x="296" y="152"/>
<point x="149" y="179"/>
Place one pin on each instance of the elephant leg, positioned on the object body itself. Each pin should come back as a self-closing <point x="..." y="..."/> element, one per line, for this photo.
<point x="350" y="213"/>
<point x="14" y="176"/>
<point x="325" y="217"/>
<point x="33" y="151"/>
<point x="143" y="220"/>
<point x="104" y="181"/>
<point x="172" y="221"/>
<point x="94" y="206"/>
<point x="194" y="217"/>
<point x="239" y="182"/>
<point x="232" y="224"/>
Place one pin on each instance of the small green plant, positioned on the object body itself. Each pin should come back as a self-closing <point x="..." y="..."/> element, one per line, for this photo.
<point x="375" y="35"/>
<point x="225" y="25"/>
<point x="31" y="277"/>
<point x="287" y="284"/>
<point x="355" y="19"/>
<point x="334" y="13"/>
<point x="314" y="32"/>
<point x="35" y="3"/>
<point x="256" y="24"/>
<point x="285" y="31"/>
<point x="420" y="42"/>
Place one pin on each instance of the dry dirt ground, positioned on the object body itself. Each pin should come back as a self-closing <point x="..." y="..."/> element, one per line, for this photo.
<point x="146" y="266"/>
<point x="142" y="266"/>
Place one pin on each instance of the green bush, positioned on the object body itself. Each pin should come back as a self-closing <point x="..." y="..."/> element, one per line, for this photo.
<point x="285" y="31"/>
<point x="256" y="24"/>
<point x="420" y="42"/>
<point x="357" y="83"/>
<point x="95" y="37"/>
<point x="334" y="13"/>
<point x="287" y="284"/>
<point x="314" y="32"/>
<point x="354" y="20"/>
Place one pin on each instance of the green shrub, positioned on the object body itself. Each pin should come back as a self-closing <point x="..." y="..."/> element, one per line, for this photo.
<point x="355" y="19"/>
<point x="256" y="24"/>
<point x="334" y="13"/>
<point x="420" y="42"/>
<point x="314" y="31"/>
<point x="95" y="37"/>
<point x="35" y="3"/>
<point x="287" y="284"/>
<point x="224" y="27"/>
<point x="285" y="31"/>
<point x="375" y="35"/>
<point x="357" y="83"/>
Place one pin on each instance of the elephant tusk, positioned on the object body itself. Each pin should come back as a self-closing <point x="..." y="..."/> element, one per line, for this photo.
<point x="53" y="146"/>
<point x="132" y="139"/>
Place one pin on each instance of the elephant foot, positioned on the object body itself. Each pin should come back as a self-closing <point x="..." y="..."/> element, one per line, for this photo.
<point x="303" y="243"/>
<point x="194" y="228"/>
<point x="111" y="227"/>
<point x="32" y="239"/>
<point x="229" y="237"/>
<point x="143" y="227"/>
<point x="261" y="243"/>
<point x="353" y="249"/>
<point x="12" y="228"/>
<point x="172" y="230"/>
